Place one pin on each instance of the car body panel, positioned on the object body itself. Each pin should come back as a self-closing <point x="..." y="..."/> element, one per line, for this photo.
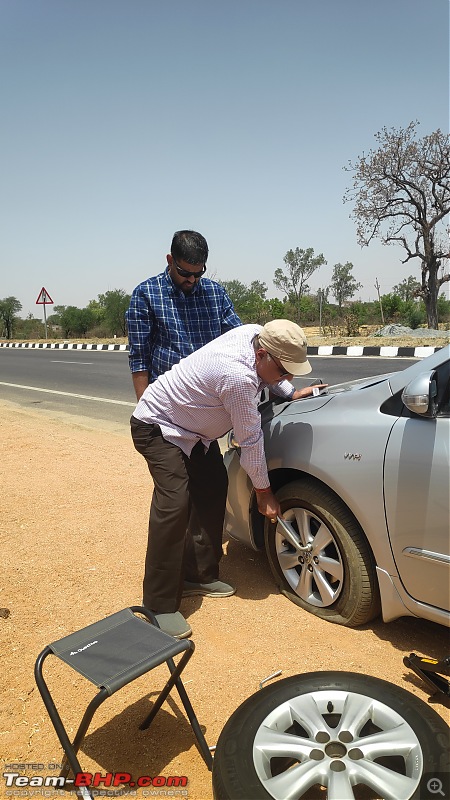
<point x="321" y="451"/>
<point x="390" y="467"/>
<point x="418" y="508"/>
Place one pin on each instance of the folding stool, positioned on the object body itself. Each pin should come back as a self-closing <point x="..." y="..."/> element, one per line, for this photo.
<point x="111" y="653"/>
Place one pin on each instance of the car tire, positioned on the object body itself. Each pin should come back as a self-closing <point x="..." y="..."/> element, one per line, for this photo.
<point x="321" y="734"/>
<point x="348" y="596"/>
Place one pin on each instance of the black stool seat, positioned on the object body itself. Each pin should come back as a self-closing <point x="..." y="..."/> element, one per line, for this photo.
<point x="111" y="653"/>
<point x="116" y="650"/>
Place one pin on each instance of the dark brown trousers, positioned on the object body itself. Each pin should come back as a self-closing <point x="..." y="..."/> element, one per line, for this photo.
<point x="186" y="516"/>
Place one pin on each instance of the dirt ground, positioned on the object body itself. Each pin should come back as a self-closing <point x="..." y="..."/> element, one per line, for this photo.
<point x="75" y="499"/>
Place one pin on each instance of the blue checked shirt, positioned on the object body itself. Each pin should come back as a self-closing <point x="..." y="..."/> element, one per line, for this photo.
<point x="165" y="325"/>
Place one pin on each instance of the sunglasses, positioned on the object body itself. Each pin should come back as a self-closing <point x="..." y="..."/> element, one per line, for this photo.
<point x="281" y="369"/>
<point x="185" y="273"/>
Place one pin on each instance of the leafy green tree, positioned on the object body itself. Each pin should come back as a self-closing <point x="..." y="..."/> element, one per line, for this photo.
<point x="236" y="291"/>
<point x="343" y="285"/>
<point x="412" y="314"/>
<point x="249" y="301"/>
<point x="403" y="312"/>
<point x="401" y="194"/>
<point x="238" y="294"/>
<point x="407" y="289"/>
<point x="98" y="311"/>
<point x="55" y="318"/>
<point x="277" y="309"/>
<point x="392" y="305"/>
<point x="113" y="305"/>
<point x="307" y="308"/>
<point x="443" y="308"/>
<point x="76" y="321"/>
<point x="9" y="307"/>
<point x="363" y="312"/>
<point x="257" y="307"/>
<point x="292" y="278"/>
<point x="331" y="319"/>
<point x="259" y="288"/>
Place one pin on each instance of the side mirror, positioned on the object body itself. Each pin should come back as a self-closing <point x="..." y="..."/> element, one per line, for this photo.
<point x="419" y="396"/>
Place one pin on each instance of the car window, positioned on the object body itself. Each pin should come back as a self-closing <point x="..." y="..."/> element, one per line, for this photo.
<point x="443" y="390"/>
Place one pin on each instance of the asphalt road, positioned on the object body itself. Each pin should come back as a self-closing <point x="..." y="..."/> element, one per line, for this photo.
<point x="97" y="384"/>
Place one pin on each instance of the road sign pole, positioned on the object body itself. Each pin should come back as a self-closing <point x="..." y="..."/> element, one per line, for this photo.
<point x="44" y="298"/>
<point x="45" y="321"/>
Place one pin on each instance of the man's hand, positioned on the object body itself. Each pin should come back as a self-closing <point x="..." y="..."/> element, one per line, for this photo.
<point x="308" y="391"/>
<point x="268" y="505"/>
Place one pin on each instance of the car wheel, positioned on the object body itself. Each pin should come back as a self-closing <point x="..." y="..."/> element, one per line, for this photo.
<point x="336" y="578"/>
<point x="331" y="735"/>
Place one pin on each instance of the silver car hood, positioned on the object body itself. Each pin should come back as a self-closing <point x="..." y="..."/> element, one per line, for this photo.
<point x="395" y="382"/>
<point x="272" y="408"/>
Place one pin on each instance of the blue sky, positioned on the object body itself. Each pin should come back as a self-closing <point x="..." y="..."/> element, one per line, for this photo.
<point x="125" y="120"/>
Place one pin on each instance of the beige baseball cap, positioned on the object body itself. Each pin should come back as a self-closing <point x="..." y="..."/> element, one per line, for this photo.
<point x="286" y="341"/>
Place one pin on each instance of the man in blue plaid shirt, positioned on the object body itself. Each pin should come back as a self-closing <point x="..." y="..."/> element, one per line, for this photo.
<point x="176" y="312"/>
<point x="170" y="316"/>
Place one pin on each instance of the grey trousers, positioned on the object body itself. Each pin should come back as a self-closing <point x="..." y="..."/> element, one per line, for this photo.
<point x="186" y="516"/>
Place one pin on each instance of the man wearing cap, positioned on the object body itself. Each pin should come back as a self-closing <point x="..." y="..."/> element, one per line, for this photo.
<point x="175" y="426"/>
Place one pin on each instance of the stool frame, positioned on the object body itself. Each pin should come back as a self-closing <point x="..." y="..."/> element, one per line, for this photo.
<point x="70" y="760"/>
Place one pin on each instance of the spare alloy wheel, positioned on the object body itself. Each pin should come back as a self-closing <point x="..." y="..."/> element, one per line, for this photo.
<point x="331" y="735"/>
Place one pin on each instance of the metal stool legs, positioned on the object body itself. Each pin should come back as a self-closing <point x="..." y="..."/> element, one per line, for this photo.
<point x="111" y="653"/>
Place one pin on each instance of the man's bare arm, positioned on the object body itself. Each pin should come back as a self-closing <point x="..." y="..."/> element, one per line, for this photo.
<point x="140" y="382"/>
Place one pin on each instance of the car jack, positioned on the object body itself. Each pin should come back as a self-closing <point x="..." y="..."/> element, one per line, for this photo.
<point x="431" y="671"/>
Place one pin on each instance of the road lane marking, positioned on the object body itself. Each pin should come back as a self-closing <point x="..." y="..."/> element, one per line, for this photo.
<point x="69" y="394"/>
<point x="71" y="362"/>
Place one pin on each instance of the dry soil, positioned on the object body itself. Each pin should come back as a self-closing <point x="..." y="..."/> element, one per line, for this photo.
<point x="75" y="501"/>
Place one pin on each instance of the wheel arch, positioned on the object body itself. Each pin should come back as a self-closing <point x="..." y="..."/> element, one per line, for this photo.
<point x="281" y="477"/>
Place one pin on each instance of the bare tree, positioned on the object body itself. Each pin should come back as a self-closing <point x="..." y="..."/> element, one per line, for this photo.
<point x="401" y="193"/>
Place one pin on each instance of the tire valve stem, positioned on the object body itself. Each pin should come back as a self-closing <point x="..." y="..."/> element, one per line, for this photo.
<point x="269" y="678"/>
<point x="330" y="707"/>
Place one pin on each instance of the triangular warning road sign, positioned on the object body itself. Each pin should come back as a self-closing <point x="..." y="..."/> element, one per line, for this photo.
<point x="44" y="298"/>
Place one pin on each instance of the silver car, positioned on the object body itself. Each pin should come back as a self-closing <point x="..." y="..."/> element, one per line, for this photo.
<point x="362" y="475"/>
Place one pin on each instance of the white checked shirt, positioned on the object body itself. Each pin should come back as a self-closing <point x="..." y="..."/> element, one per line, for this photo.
<point x="208" y="393"/>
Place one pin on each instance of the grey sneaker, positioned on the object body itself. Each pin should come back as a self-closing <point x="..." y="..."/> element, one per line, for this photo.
<point x="213" y="589"/>
<point x="174" y="624"/>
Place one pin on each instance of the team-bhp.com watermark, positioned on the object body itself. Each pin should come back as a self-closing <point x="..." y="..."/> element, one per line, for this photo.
<point x="108" y="784"/>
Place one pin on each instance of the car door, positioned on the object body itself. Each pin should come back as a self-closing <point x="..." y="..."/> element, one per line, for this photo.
<point x="417" y="501"/>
